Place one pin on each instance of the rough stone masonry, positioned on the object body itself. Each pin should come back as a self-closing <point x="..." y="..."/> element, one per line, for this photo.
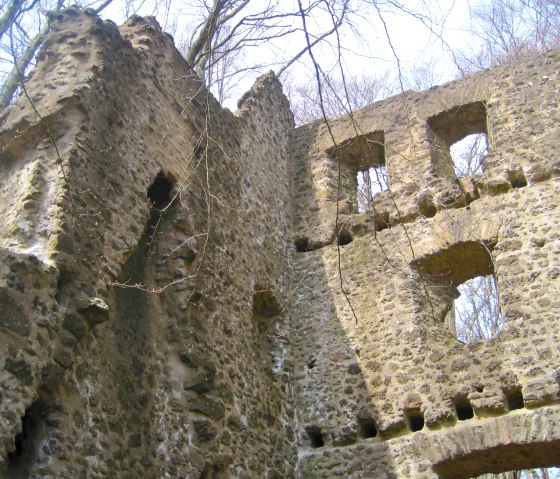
<point x="190" y="292"/>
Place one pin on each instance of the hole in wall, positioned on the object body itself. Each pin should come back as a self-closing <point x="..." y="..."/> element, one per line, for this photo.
<point x="516" y="177"/>
<point x="467" y="154"/>
<point x="315" y="436"/>
<point x="475" y="315"/>
<point x="363" y="168"/>
<point x="514" y="399"/>
<point x="367" y="428"/>
<point x="463" y="409"/>
<point x="302" y="245"/>
<point x="415" y="420"/>
<point x="311" y="362"/>
<point x="159" y="192"/>
<point x="459" y="140"/>
<point x="370" y="182"/>
<point x="26" y="441"/>
<point x="344" y="238"/>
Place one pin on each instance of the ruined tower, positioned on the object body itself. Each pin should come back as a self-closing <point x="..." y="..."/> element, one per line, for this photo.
<point x="190" y="292"/>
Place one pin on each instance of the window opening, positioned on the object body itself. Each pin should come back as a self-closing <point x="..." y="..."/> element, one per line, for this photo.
<point x="467" y="154"/>
<point x="367" y="428"/>
<point x="415" y="420"/>
<point x="515" y="399"/>
<point x="370" y="182"/>
<point x="315" y="436"/>
<point x="459" y="140"/>
<point x="463" y="292"/>
<point x="463" y="409"/>
<point x="159" y="193"/>
<point x="363" y="168"/>
<point x="475" y="314"/>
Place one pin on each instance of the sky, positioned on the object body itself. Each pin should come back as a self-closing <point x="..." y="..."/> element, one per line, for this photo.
<point x="368" y="53"/>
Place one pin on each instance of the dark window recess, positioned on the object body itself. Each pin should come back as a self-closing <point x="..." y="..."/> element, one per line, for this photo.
<point x="344" y="238"/>
<point x="517" y="178"/>
<point x="159" y="193"/>
<point x="311" y="362"/>
<point x="515" y="399"/>
<point x="463" y="409"/>
<point x="25" y="441"/>
<point x="302" y="245"/>
<point x="415" y="420"/>
<point x="315" y="436"/>
<point x="367" y="428"/>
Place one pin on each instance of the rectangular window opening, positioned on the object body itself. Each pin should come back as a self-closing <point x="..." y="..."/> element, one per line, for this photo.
<point x="515" y="400"/>
<point x="475" y="314"/>
<point x="363" y="166"/>
<point x="370" y="182"/>
<point x="467" y="154"/>
<point x="459" y="140"/>
<point x="464" y="409"/>
<point x="415" y="420"/>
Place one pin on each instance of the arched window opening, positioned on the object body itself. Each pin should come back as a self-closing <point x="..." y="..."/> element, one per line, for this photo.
<point x="467" y="154"/>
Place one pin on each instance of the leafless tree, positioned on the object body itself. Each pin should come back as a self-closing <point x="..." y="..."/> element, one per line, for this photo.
<point x="511" y="30"/>
<point x="362" y="90"/>
<point x="23" y="28"/>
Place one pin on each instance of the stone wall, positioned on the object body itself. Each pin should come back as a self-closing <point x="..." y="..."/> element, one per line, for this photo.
<point x="144" y="282"/>
<point x="384" y="388"/>
<point x="186" y="292"/>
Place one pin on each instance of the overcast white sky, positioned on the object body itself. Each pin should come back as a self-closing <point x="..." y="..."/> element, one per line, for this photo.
<point x="371" y="54"/>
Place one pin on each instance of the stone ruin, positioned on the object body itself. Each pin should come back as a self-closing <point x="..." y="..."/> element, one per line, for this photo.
<point x="190" y="292"/>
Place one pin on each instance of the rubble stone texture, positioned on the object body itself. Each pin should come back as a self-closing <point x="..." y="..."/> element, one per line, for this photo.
<point x="187" y="292"/>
